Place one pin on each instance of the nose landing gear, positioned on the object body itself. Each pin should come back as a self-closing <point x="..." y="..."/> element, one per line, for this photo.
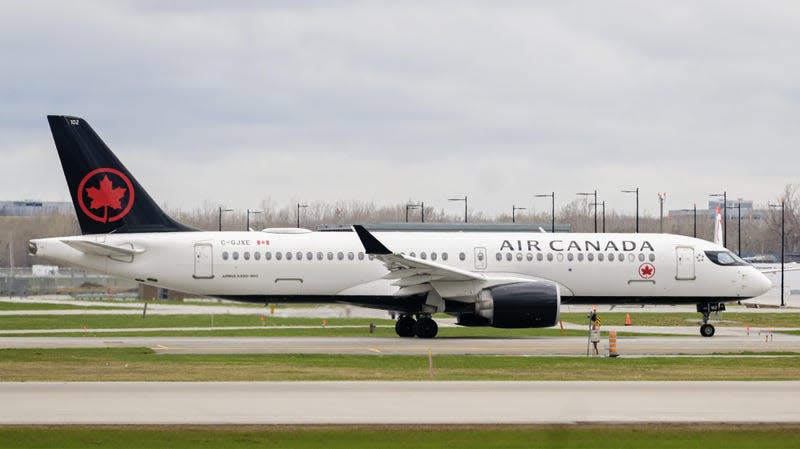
<point x="707" y="330"/>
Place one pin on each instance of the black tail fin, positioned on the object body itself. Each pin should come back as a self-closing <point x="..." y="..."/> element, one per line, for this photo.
<point x="105" y="195"/>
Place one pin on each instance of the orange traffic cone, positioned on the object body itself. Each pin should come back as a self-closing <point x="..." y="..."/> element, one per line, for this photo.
<point x="627" y="319"/>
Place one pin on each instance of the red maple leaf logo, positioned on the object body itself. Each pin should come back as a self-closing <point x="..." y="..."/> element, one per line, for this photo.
<point x="646" y="270"/>
<point x="106" y="196"/>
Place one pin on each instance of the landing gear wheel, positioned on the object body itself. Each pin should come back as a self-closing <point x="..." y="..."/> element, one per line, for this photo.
<point x="707" y="330"/>
<point x="426" y="328"/>
<point x="405" y="326"/>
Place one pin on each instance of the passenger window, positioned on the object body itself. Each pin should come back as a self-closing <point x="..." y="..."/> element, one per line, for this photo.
<point x="412" y="254"/>
<point x="539" y="257"/>
<point x="371" y="257"/>
<point x="462" y="256"/>
<point x="570" y="256"/>
<point x="310" y="255"/>
<point x="257" y="255"/>
<point x="278" y="256"/>
<point x="621" y="257"/>
<point x="340" y="255"/>
<point x="631" y="257"/>
<point x="351" y="256"/>
<point x="509" y="257"/>
<point x="299" y="255"/>
<point x="433" y="256"/>
<point x="590" y="257"/>
<point x="580" y="257"/>
<point x="319" y="255"/>
<point x="360" y="255"/>
<point x="611" y="257"/>
<point x="444" y="256"/>
<point x="422" y="255"/>
<point x="267" y="255"/>
<point x="560" y="257"/>
<point x="519" y="256"/>
<point x="641" y="257"/>
<point x="288" y="255"/>
<point x="235" y="255"/>
<point x="549" y="257"/>
<point x="499" y="257"/>
<point x="480" y="256"/>
<point x="247" y="255"/>
<point x="652" y="257"/>
<point x="529" y="256"/>
<point x="224" y="255"/>
<point x="600" y="257"/>
<point x="330" y="256"/>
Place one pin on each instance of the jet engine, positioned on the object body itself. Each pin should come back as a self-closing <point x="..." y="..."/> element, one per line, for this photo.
<point x="516" y="305"/>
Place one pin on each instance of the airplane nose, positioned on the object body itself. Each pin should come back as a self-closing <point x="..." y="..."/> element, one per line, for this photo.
<point x="762" y="283"/>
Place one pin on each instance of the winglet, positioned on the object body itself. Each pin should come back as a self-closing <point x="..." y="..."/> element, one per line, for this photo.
<point x="371" y="244"/>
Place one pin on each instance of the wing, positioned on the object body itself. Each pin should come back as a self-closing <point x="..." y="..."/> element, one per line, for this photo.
<point x="411" y="274"/>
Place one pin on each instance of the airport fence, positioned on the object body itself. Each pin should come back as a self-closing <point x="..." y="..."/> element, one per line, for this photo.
<point x="30" y="281"/>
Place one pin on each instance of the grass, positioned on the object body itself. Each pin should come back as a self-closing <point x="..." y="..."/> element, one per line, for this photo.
<point x="730" y="319"/>
<point x="658" y="436"/>
<point x="142" y="364"/>
<point x="78" y="322"/>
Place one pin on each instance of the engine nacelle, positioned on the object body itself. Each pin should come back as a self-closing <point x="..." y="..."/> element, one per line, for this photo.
<point x="516" y="305"/>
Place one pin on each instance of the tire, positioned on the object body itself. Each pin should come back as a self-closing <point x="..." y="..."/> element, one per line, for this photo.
<point x="707" y="330"/>
<point x="426" y="328"/>
<point x="405" y="326"/>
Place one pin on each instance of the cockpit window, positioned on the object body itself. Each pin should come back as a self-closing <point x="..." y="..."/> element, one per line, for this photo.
<point x="725" y="258"/>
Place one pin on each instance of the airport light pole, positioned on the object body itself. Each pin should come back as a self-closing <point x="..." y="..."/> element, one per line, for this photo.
<point x="603" y="204"/>
<point x="593" y="194"/>
<point x="782" y="206"/>
<point x="552" y="196"/>
<point x="739" y="228"/>
<point x="298" y="212"/>
<point x="250" y="212"/>
<point x="420" y="206"/>
<point x="724" y="196"/>
<point x="514" y="210"/>
<point x="661" y="197"/>
<point x="465" y="205"/>
<point x="636" y="191"/>
<point x="221" y="210"/>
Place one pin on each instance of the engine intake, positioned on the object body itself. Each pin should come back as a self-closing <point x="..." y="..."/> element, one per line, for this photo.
<point x="517" y="305"/>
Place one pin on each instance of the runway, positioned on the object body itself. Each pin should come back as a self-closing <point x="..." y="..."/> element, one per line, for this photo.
<point x="396" y="402"/>
<point x="626" y="346"/>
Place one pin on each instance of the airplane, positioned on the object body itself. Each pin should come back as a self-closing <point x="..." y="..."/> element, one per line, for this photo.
<point x="498" y="279"/>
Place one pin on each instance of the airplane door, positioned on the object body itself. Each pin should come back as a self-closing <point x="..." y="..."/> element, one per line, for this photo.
<point x="685" y="263"/>
<point x="203" y="261"/>
<point x="480" y="258"/>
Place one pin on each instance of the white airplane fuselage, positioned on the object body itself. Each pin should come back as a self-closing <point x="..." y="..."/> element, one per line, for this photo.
<point x="261" y="266"/>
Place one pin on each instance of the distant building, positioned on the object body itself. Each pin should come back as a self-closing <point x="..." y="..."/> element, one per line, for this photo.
<point x="27" y="208"/>
<point x="748" y="213"/>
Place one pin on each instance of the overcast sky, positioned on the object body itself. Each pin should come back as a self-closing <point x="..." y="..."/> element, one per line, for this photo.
<point x="235" y="102"/>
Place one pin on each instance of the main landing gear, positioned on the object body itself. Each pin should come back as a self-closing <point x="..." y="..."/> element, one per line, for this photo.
<point x="422" y="327"/>
<point x="707" y="330"/>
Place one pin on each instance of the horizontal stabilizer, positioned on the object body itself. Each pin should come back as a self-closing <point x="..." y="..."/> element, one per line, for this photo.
<point x="102" y="249"/>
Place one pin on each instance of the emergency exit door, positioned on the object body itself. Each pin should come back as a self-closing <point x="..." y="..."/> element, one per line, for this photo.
<point x="203" y="261"/>
<point x="685" y="263"/>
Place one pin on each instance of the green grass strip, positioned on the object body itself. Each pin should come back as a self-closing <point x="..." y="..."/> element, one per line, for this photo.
<point x="142" y="364"/>
<point x="657" y="436"/>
